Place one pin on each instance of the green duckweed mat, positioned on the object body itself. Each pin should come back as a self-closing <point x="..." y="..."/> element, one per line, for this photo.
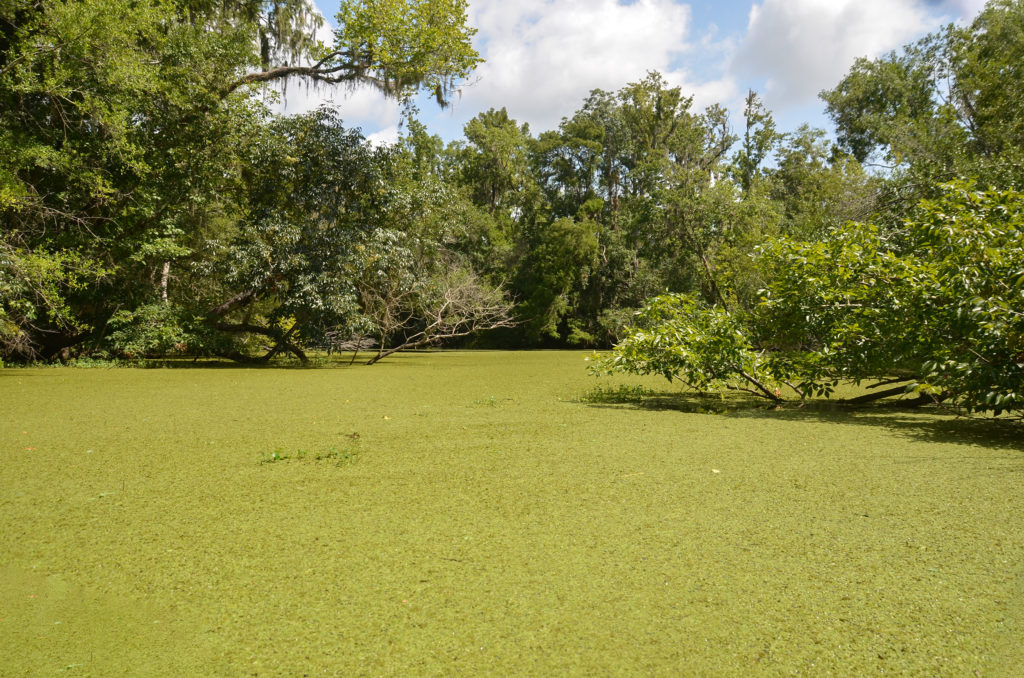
<point x="489" y="513"/>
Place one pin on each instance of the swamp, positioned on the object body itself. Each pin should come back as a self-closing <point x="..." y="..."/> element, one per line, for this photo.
<point x="493" y="513"/>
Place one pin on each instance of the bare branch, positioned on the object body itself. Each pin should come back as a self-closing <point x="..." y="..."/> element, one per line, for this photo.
<point x="460" y="305"/>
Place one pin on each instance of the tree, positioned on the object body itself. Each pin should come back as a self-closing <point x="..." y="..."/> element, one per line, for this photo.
<point x="818" y="187"/>
<point x="935" y="309"/>
<point x="125" y="129"/>
<point x="496" y="163"/>
<point x="451" y="302"/>
<point x="114" y="141"/>
<point x="682" y="338"/>
<point x="759" y="138"/>
<point x="34" y="289"/>
<point x="948" y="106"/>
<point x="395" y="46"/>
<point x="556" y="268"/>
<point x="341" y="239"/>
<point x="638" y="170"/>
<point x="315" y="191"/>
<point x="936" y="306"/>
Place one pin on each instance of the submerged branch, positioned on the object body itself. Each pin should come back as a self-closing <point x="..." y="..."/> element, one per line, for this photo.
<point x="762" y="390"/>
<point x="281" y="338"/>
<point x="878" y="395"/>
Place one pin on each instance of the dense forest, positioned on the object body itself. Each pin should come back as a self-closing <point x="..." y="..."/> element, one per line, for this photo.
<point x="153" y="206"/>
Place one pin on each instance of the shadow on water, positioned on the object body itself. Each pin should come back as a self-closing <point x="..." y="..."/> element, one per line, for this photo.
<point x="315" y="362"/>
<point x="926" y="424"/>
<point x="214" y="364"/>
<point x="176" y="364"/>
<point x="189" y="364"/>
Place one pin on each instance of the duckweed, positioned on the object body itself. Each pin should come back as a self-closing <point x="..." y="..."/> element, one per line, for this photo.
<point x="494" y="515"/>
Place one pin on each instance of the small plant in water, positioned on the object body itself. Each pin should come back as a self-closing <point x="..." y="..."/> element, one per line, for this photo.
<point x="339" y="456"/>
<point x="492" y="401"/>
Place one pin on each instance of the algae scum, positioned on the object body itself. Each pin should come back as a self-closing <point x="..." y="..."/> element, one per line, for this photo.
<point x="477" y="514"/>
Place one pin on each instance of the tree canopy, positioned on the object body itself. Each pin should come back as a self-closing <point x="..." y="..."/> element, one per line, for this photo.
<point x="142" y="176"/>
<point x="934" y="309"/>
<point x="945" y="107"/>
<point x="395" y="46"/>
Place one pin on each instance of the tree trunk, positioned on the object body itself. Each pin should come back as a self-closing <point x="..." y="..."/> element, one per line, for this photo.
<point x="872" y="397"/>
<point x="164" y="276"/>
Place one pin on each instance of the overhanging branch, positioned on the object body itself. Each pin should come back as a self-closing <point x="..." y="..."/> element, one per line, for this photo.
<point x="335" y="68"/>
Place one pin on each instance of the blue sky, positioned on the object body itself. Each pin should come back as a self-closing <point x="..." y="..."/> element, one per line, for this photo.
<point x="544" y="56"/>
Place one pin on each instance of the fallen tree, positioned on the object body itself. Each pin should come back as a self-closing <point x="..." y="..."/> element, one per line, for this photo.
<point x="934" y="309"/>
<point x="452" y="304"/>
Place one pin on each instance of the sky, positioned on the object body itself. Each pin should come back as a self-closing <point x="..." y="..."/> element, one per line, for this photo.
<point x="542" y="57"/>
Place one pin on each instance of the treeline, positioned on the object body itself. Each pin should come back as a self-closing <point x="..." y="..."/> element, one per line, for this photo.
<point x="152" y="206"/>
<point x="635" y="194"/>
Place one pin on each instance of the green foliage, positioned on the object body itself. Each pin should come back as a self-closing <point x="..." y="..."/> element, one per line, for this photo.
<point x="681" y="338"/>
<point x="557" y="267"/>
<point x="937" y="303"/>
<point x="828" y="308"/>
<point x="817" y="187"/>
<point x="315" y="190"/>
<point x="150" y="204"/>
<point x="948" y="106"/>
<point x="118" y="146"/>
<point x="759" y="138"/>
<point x="975" y="240"/>
<point x="401" y="46"/>
<point x="495" y="166"/>
<point x="341" y="241"/>
<point x="625" y="199"/>
<point x="34" y="291"/>
<point x="148" y="331"/>
<point x="134" y="158"/>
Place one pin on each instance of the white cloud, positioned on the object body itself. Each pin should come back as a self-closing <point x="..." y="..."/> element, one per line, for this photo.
<point x="383" y="137"/>
<point x="360" y="106"/>
<point x="356" y="105"/>
<point x="800" y="47"/>
<point x="545" y="56"/>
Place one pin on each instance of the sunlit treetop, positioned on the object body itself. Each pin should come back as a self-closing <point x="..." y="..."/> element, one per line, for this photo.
<point x="396" y="46"/>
